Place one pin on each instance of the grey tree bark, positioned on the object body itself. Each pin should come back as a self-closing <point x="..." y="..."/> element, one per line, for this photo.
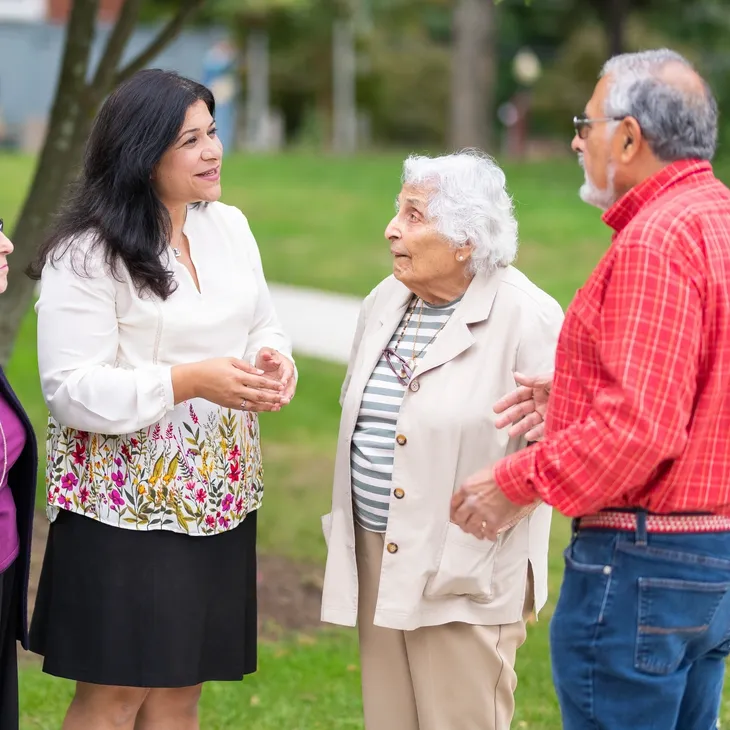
<point x="72" y="113"/>
<point x="617" y="15"/>
<point x="257" y="96"/>
<point x="473" y="74"/>
<point x="344" y="66"/>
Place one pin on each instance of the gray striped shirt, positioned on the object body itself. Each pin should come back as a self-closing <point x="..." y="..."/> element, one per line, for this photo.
<point x="373" y="442"/>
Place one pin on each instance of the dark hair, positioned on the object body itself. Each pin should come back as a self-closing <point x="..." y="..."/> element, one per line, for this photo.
<point x="114" y="200"/>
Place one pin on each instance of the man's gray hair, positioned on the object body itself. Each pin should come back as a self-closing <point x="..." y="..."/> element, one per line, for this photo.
<point x="468" y="203"/>
<point x="678" y="121"/>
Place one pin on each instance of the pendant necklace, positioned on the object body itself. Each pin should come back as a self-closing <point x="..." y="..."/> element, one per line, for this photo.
<point x="413" y="360"/>
<point x="411" y="310"/>
<point x="176" y="251"/>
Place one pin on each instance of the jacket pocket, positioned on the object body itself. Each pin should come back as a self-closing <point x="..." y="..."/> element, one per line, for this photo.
<point x="327" y="528"/>
<point x="465" y="568"/>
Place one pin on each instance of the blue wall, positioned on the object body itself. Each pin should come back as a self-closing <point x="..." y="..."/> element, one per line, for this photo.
<point x="30" y="59"/>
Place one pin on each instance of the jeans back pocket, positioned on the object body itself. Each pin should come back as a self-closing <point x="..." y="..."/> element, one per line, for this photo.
<point x="672" y="614"/>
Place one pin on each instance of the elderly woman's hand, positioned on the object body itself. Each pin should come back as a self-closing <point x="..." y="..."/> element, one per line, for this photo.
<point x="480" y="507"/>
<point x="526" y="407"/>
<point x="279" y="367"/>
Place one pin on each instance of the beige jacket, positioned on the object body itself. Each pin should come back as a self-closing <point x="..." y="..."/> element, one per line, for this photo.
<point x="433" y="573"/>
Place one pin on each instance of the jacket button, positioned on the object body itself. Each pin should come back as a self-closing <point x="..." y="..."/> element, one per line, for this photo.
<point x="399" y="493"/>
<point x="401" y="439"/>
<point x="415" y="385"/>
<point x="392" y="547"/>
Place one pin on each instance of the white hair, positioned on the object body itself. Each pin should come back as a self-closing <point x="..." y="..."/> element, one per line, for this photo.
<point x="678" y="122"/>
<point x="468" y="203"/>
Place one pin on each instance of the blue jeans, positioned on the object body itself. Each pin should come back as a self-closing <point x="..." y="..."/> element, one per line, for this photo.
<point x="641" y="630"/>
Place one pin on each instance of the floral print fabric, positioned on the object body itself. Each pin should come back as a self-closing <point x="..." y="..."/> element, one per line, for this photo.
<point x="198" y="471"/>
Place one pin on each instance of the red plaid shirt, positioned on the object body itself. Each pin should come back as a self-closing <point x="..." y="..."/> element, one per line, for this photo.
<point x="639" y="412"/>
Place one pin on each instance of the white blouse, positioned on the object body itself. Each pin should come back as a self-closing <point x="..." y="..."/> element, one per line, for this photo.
<point x="119" y="449"/>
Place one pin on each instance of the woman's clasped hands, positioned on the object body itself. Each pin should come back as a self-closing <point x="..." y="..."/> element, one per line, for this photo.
<point x="231" y="382"/>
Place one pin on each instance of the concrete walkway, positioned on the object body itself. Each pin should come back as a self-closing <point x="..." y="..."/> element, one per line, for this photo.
<point x="320" y="324"/>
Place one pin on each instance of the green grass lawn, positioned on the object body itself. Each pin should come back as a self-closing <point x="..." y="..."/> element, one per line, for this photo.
<point x="319" y="222"/>
<point x="338" y="243"/>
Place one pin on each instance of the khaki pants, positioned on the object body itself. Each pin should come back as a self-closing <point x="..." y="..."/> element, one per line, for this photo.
<point x="450" y="677"/>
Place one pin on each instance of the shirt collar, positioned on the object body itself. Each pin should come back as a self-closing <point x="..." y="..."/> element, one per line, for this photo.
<point x="626" y="207"/>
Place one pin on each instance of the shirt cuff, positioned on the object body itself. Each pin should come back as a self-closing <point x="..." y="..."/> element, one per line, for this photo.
<point x="168" y="394"/>
<point x="510" y="476"/>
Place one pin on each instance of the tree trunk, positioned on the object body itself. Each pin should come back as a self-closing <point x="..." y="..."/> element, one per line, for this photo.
<point x="344" y="81"/>
<point x="257" y="93"/>
<point x="618" y="11"/>
<point x="473" y="74"/>
<point x="53" y="170"/>
<point x="71" y="117"/>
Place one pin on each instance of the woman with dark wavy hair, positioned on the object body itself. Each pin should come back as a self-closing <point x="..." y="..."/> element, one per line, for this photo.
<point x="157" y="346"/>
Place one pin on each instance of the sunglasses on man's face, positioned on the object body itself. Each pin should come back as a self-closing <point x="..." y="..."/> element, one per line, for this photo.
<point x="582" y="124"/>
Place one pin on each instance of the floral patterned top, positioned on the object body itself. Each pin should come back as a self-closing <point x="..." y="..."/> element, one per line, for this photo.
<point x="181" y="474"/>
<point x="119" y="450"/>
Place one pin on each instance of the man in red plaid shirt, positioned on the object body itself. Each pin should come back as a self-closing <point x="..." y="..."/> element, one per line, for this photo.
<point x="636" y="443"/>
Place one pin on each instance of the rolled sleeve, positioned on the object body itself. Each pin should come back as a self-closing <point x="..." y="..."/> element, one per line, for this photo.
<point x="509" y="477"/>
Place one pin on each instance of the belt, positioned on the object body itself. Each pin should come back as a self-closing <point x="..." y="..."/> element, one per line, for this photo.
<point x="609" y="520"/>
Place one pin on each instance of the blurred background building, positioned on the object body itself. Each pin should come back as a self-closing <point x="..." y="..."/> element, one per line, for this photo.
<point x="31" y="44"/>
<point x="344" y="75"/>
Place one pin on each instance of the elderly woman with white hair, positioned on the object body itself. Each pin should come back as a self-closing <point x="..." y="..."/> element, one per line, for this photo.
<point x="440" y="613"/>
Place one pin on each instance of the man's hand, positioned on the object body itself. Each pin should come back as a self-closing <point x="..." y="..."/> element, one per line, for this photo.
<point x="279" y="367"/>
<point x="480" y="508"/>
<point x="526" y="407"/>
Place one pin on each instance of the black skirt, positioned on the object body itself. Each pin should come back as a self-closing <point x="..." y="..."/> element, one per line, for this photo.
<point x="9" y="614"/>
<point x="146" y="609"/>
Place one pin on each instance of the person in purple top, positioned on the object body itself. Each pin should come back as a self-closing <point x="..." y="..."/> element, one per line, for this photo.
<point x="18" y="468"/>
